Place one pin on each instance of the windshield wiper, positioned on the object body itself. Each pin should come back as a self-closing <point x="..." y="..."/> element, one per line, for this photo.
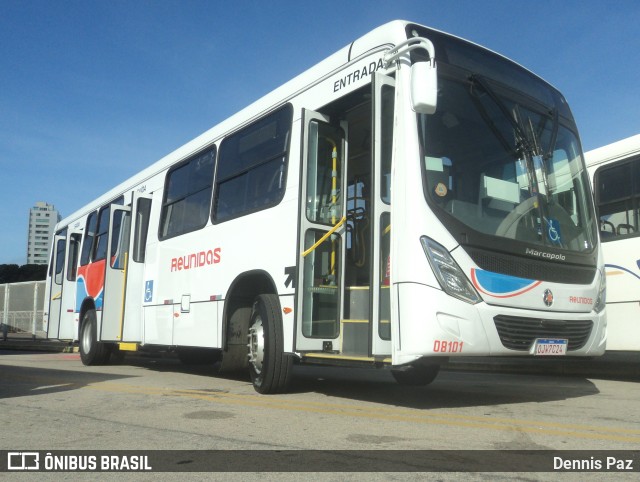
<point x="554" y="134"/>
<point x="523" y="145"/>
<point x="523" y="149"/>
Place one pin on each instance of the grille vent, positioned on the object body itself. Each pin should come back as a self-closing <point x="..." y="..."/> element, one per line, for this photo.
<point x="518" y="333"/>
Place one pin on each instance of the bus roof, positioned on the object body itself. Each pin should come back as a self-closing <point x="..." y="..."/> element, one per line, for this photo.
<point x="612" y="152"/>
<point x="389" y="34"/>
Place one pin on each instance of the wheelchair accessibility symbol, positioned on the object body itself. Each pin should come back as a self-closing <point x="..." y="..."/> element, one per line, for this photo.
<point x="148" y="291"/>
<point x="553" y="231"/>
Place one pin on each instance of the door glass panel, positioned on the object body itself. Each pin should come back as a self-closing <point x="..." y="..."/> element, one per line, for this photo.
<point x="61" y="246"/>
<point x="321" y="291"/>
<point x="324" y="174"/>
<point x="119" y="239"/>
<point x="384" y="328"/>
<point x="386" y="141"/>
<point x="143" y="213"/>
<point x="72" y="262"/>
<point x="89" y="233"/>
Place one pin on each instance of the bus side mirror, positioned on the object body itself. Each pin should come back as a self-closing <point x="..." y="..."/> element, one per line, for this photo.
<point x="424" y="87"/>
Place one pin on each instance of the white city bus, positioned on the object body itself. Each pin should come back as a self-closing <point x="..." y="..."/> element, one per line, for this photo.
<point x="615" y="173"/>
<point x="411" y="198"/>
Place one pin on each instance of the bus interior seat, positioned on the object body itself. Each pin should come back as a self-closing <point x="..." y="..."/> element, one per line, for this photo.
<point x="624" y="228"/>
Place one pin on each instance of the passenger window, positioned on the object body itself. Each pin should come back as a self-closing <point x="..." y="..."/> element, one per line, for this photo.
<point x="187" y="195"/>
<point x="103" y="231"/>
<point x="251" y="171"/>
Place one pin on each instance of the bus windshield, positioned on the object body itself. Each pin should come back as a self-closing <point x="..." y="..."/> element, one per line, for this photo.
<point x="506" y="162"/>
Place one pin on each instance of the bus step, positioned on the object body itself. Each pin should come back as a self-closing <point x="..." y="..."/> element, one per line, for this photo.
<point x="128" y="346"/>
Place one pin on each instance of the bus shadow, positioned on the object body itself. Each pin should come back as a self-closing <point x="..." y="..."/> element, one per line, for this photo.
<point x="451" y="389"/>
<point x="17" y="381"/>
<point x="168" y="362"/>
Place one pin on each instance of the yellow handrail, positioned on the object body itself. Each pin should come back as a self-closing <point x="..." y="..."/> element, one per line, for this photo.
<point x="326" y="235"/>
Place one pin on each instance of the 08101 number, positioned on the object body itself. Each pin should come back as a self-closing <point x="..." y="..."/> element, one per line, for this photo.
<point x="444" y="346"/>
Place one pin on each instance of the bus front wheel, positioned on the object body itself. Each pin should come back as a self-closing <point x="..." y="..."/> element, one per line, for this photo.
<point x="92" y="352"/>
<point x="269" y="366"/>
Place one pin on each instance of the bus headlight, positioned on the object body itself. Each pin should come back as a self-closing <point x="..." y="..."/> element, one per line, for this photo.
<point x="451" y="278"/>
<point x="601" y="300"/>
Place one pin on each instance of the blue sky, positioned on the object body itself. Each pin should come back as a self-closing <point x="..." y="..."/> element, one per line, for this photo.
<point x="91" y="92"/>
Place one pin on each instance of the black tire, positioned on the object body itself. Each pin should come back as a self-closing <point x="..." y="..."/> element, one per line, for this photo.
<point x="269" y="366"/>
<point x="416" y="375"/>
<point x="198" y="356"/>
<point x="92" y="352"/>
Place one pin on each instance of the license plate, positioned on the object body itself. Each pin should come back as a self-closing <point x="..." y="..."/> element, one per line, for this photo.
<point x="550" y="347"/>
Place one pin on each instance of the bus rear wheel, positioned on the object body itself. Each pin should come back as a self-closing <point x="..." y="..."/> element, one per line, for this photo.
<point x="269" y="366"/>
<point x="92" y="352"/>
<point x="416" y="375"/>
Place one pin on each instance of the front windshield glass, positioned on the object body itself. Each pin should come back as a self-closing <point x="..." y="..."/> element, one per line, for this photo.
<point x="505" y="164"/>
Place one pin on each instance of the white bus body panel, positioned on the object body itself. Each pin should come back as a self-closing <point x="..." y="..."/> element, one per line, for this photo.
<point x="622" y="260"/>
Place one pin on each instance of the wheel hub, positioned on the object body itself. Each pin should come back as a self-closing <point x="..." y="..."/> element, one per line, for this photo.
<point x="87" y="338"/>
<point x="256" y="345"/>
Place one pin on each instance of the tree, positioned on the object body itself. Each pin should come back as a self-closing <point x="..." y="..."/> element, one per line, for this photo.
<point x="12" y="273"/>
<point x="8" y="273"/>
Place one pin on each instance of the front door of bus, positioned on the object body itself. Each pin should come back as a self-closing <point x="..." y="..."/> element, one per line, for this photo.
<point x="322" y="225"/>
<point x="56" y="283"/>
<point x="344" y="265"/>
<point x="135" y="284"/>
<point x="115" y="273"/>
<point x="383" y="114"/>
<point x="68" y="329"/>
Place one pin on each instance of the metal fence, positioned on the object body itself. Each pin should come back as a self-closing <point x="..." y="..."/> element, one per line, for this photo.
<point x="22" y="310"/>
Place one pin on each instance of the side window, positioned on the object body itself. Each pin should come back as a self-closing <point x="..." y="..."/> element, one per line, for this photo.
<point x="102" y="233"/>
<point x="89" y="234"/>
<point x="617" y="193"/>
<point x="187" y="195"/>
<point x="251" y="170"/>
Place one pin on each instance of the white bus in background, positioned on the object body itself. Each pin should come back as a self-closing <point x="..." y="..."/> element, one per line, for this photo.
<point x="411" y="198"/>
<point x="615" y="173"/>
